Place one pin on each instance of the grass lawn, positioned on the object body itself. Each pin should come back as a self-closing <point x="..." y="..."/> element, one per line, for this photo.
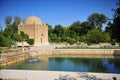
<point x="80" y="47"/>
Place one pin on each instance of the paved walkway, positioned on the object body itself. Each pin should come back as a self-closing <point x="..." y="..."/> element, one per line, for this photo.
<point x="54" y="75"/>
<point x="47" y="47"/>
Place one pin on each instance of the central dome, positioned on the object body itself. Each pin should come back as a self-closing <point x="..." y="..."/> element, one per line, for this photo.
<point x="33" y="20"/>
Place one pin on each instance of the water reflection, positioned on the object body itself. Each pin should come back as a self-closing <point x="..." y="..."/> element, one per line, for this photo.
<point x="71" y="63"/>
<point x="86" y="64"/>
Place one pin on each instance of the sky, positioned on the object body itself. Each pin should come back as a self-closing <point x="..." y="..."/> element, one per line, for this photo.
<point x="54" y="12"/>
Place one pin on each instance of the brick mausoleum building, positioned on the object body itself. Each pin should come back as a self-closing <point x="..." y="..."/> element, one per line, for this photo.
<point x="35" y="29"/>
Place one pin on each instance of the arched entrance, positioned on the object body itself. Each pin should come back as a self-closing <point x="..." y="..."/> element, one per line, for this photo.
<point x="41" y="41"/>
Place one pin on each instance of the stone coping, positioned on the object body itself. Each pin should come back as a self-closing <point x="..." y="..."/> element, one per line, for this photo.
<point x="16" y="57"/>
<point x="79" y="51"/>
<point x="86" y="49"/>
<point x="7" y="74"/>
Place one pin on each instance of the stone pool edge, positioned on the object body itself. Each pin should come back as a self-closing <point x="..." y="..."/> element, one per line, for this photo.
<point x="114" y="52"/>
<point x="53" y="75"/>
<point x="22" y="56"/>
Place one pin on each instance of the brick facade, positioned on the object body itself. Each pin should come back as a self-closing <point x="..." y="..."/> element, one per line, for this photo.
<point x="35" y="30"/>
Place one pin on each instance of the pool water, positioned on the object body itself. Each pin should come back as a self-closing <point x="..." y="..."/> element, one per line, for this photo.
<point x="75" y="64"/>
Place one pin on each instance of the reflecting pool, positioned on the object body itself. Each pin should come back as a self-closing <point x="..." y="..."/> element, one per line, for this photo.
<point x="76" y="64"/>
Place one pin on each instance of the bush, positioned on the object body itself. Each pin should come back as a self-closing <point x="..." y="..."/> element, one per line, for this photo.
<point x="1" y="67"/>
<point x="5" y="42"/>
<point x="113" y="43"/>
<point x="0" y="50"/>
<point x="30" y="41"/>
<point x="89" y="43"/>
<point x="96" y="35"/>
<point x="71" y="41"/>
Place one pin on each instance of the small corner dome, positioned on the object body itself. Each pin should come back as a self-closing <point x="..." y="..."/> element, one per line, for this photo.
<point x="33" y="20"/>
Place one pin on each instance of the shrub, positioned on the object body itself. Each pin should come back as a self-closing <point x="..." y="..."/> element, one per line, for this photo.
<point x="30" y="41"/>
<point x="5" y="41"/>
<point x="0" y="50"/>
<point x="1" y="67"/>
<point x="113" y="43"/>
<point x="96" y="35"/>
<point x="89" y="43"/>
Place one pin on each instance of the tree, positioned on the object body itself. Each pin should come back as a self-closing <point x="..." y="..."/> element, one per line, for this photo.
<point x="97" y="20"/>
<point x="1" y="32"/>
<point x="109" y="29"/>
<point x="0" y="50"/>
<point x="24" y="36"/>
<point x="86" y="26"/>
<point x="96" y="36"/>
<point x="9" y="31"/>
<point x="75" y="27"/>
<point x="50" y="32"/>
<point x="114" y="28"/>
<point x="0" y="28"/>
<point x="116" y="23"/>
<point x="106" y="37"/>
<point x="15" y="23"/>
<point x="71" y="41"/>
<point x="30" y="41"/>
<point x="53" y="37"/>
<point x="58" y="30"/>
<point x="12" y="27"/>
<point x="5" y="42"/>
<point x="8" y="20"/>
<point x="17" y="37"/>
<point x="17" y="20"/>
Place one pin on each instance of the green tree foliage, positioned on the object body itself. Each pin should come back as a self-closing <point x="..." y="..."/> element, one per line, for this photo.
<point x="114" y="28"/>
<point x="50" y="29"/>
<point x="68" y="34"/>
<point x="53" y="37"/>
<point x="30" y="41"/>
<point x="77" y="32"/>
<point x="71" y="41"/>
<point x="80" y="29"/>
<point x="108" y="28"/>
<point x="11" y="28"/>
<point x="58" y="30"/>
<point x="75" y="28"/>
<point x="97" y="20"/>
<point x="90" y="30"/>
<point x="1" y="67"/>
<point x="24" y="36"/>
<point x="56" y="34"/>
<point x="0" y="28"/>
<point x="106" y="37"/>
<point x="17" y="20"/>
<point x="50" y="33"/>
<point x="10" y="35"/>
<point x="8" y="20"/>
<point x="0" y="50"/>
<point x="17" y="37"/>
<point x="96" y="36"/>
<point x="116" y="23"/>
<point x="86" y="26"/>
<point x="5" y="42"/>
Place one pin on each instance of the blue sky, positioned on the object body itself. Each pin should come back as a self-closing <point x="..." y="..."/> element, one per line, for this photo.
<point x="54" y="12"/>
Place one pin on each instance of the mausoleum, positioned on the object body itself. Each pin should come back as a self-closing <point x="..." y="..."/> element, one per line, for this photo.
<point x="35" y="29"/>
